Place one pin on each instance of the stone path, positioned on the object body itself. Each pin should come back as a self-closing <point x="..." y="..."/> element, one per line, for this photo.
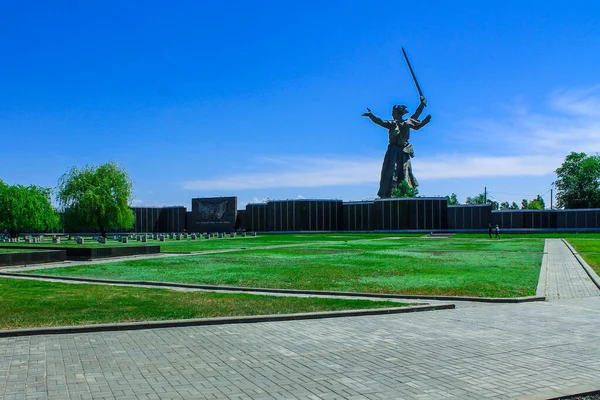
<point x="484" y="351"/>
<point x="566" y="278"/>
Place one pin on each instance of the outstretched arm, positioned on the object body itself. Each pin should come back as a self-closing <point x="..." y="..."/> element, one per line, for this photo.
<point x="416" y="124"/>
<point x="419" y="109"/>
<point x="376" y="119"/>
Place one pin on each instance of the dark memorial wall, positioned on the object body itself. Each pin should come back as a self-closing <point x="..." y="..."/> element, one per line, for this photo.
<point x="547" y="219"/>
<point x="213" y="214"/>
<point x="357" y="216"/>
<point x="159" y="219"/>
<point x="256" y="217"/>
<point x="424" y="214"/>
<point x="420" y="213"/>
<point x="304" y="215"/>
<point x="469" y="216"/>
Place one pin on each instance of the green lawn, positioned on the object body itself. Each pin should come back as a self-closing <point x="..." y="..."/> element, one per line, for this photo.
<point x="16" y="250"/>
<point x="462" y="267"/>
<point x="27" y="304"/>
<point x="589" y="250"/>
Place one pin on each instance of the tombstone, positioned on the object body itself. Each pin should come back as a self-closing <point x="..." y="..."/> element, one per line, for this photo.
<point x="232" y="234"/>
<point x="206" y="236"/>
<point x="56" y="240"/>
<point x="162" y="238"/>
<point x="144" y="239"/>
<point x="125" y="239"/>
<point x="193" y="236"/>
<point x="219" y="235"/>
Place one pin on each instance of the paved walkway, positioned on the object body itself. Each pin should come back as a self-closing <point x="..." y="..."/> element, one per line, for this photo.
<point x="566" y="278"/>
<point x="484" y="351"/>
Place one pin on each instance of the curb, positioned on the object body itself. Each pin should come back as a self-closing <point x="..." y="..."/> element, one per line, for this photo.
<point x="543" y="278"/>
<point x="580" y="390"/>
<point x="284" y="291"/>
<point x="588" y="270"/>
<point x="216" y="321"/>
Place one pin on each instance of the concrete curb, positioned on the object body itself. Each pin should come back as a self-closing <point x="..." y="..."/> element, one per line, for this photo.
<point x="284" y="291"/>
<point x="589" y="270"/>
<point x="543" y="279"/>
<point x="580" y="390"/>
<point x="217" y="321"/>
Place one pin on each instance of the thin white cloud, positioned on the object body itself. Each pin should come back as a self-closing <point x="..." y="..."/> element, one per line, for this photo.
<point x="328" y="172"/>
<point x="532" y="144"/>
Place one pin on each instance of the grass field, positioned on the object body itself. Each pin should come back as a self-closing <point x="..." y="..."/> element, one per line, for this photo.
<point x="589" y="250"/>
<point x="462" y="267"/>
<point x="4" y="251"/>
<point x="26" y="303"/>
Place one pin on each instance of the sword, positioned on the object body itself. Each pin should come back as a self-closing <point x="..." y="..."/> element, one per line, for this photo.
<point x="412" y="73"/>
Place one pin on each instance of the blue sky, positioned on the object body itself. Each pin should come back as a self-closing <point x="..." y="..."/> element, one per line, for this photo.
<point x="263" y="99"/>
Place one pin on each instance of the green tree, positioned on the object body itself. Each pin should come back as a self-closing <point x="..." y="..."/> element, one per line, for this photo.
<point x="26" y="208"/>
<point x="97" y="196"/>
<point x="578" y="181"/>
<point x="481" y="199"/>
<point x="452" y="199"/>
<point x="535" y="204"/>
<point x="404" y="190"/>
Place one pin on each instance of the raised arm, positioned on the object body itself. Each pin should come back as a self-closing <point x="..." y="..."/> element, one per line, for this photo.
<point x="377" y="120"/>
<point x="419" y="109"/>
<point x="416" y="124"/>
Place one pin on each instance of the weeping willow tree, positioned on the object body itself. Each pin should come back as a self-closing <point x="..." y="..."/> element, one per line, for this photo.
<point x="26" y="208"/>
<point x="96" y="196"/>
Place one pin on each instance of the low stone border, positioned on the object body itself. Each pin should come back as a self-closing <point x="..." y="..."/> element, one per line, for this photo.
<point x="543" y="279"/>
<point x="588" y="270"/>
<point x="285" y="291"/>
<point x="92" y="253"/>
<point x="217" y="321"/>
<point x="32" y="257"/>
<point x="580" y="390"/>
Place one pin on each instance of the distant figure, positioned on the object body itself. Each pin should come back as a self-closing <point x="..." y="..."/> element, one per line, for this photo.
<point x="396" y="163"/>
<point x="497" y="232"/>
<point x="490" y="230"/>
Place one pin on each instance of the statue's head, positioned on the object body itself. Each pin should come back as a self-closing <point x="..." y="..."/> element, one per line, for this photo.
<point x="399" y="111"/>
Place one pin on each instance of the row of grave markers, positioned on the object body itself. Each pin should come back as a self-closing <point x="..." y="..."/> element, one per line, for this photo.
<point x="125" y="238"/>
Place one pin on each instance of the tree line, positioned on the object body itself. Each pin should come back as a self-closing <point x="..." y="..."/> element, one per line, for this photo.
<point x="481" y="198"/>
<point x="94" y="196"/>
<point x="100" y="196"/>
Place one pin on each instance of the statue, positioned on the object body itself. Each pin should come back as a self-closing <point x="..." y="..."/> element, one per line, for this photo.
<point x="396" y="163"/>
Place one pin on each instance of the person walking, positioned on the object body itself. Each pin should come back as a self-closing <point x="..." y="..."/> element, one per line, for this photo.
<point x="490" y="230"/>
<point x="497" y="232"/>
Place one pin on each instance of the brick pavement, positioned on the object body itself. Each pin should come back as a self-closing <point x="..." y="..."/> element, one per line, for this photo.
<point x="483" y="351"/>
<point x="566" y="278"/>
